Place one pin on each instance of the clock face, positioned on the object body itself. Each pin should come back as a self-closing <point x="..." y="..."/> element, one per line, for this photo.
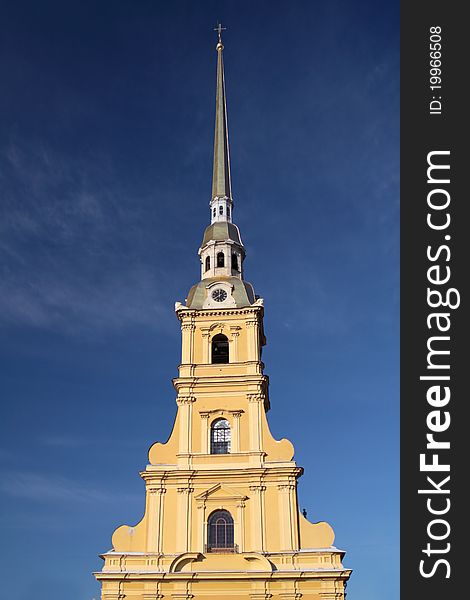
<point x="219" y="295"/>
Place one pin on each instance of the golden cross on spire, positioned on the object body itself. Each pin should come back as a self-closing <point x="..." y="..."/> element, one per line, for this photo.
<point x="219" y="30"/>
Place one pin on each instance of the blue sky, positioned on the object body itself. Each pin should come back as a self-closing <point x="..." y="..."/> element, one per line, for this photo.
<point x="106" y="122"/>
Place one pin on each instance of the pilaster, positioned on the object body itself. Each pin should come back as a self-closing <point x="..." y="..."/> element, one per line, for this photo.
<point x="184" y="518"/>
<point x="258" y="517"/>
<point x="235" y="333"/>
<point x="185" y="418"/>
<point x="288" y="527"/>
<point x="252" y="339"/>
<point x="236" y="430"/>
<point x="201" y="516"/>
<point x="155" y="518"/>
<point x="187" y="342"/>
<point x="152" y="591"/>
<point x="255" y="402"/>
<point x="240" y="534"/>
<point x="206" y="332"/>
<point x="205" y="432"/>
<point x="260" y="595"/>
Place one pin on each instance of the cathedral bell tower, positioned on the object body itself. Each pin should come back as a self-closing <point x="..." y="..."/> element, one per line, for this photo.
<point x="221" y="512"/>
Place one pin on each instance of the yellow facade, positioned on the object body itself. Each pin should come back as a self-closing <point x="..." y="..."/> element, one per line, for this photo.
<point x="221" y="517"/>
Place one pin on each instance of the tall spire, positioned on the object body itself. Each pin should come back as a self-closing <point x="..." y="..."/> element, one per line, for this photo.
<point x="221" y="187"/>
<point x="222" y="253"/>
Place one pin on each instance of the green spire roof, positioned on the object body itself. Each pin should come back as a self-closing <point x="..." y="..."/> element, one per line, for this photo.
<point x="221" y="173"/>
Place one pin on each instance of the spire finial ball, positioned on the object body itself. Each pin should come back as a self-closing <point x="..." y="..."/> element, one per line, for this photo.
<point x="219" y="46"/>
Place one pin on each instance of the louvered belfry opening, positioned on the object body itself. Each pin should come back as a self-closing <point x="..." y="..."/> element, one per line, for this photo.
<point x="235" y="262"/>
<point x="220" y="352"/>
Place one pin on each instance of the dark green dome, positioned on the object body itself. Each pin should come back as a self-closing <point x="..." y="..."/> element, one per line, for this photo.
<point x="243" y="292"/>
<point x="221" y="231"/>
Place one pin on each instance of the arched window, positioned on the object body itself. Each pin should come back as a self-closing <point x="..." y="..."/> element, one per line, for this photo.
<point x="234" y="262"/>
<point x="214" y="212"/>
<point x="228" y="211"/>
<point x="221" y="210"/>
<point x="220" y="437"/>
<point x="220" y="353"/>
<point x="220" y="532"/>
<point x="208" y="263"/>
<point x="220" y="259"/>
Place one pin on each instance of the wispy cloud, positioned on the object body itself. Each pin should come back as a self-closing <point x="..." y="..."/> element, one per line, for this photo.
<point x="44" y="488"/>
<point x="68" y="246"/>
<point x="5" y="454"/>
<point x="76" y="304"/>
<point x="72" y="442"/>
<point x="67" y="441"/>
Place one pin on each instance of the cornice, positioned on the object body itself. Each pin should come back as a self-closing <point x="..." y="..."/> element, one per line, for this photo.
<point x="301" y="574"/>
<point x="185" y="400"/>
<point x="275" y="475"/>
<point x="205" y="414"/>
<point x="256" y="378"/>
<point x="230" y="494"/>
<point x="331" y="550"/>
<point x="183" y="312"/>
